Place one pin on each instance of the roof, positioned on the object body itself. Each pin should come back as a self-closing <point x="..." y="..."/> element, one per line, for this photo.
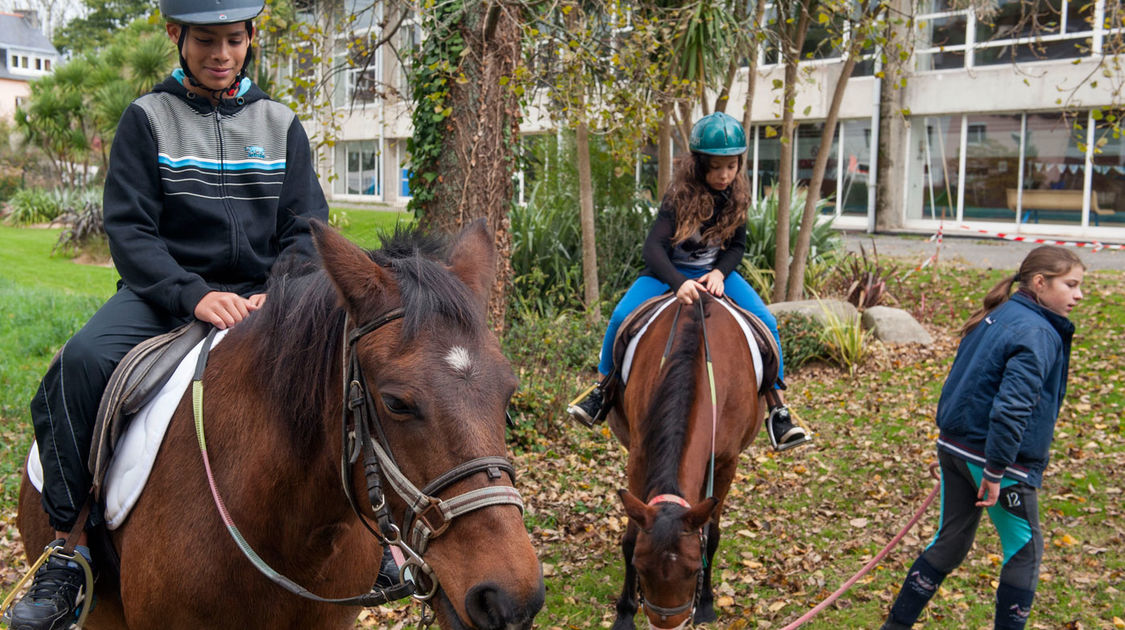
<point x="16" y="32"/>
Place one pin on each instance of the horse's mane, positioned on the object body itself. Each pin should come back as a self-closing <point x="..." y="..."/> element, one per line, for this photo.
<point x="667" y="420"/>
<point x="296" y="338"/>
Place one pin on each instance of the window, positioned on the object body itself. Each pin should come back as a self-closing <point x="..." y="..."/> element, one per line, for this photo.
<point x="38" y="63"/>
<point x="358" y="166"/>
<point x="976" y="133"/>
<point x="1007" y="31"/>
<point x="47" y="65"/>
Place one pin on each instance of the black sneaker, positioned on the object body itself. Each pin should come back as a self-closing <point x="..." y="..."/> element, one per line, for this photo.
<point x="784" y="435"/>
<point x="587" y="408"/>
<point x="52" y="602"/>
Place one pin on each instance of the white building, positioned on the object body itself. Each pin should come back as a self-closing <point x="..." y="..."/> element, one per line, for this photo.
<point x="986" y="143"/>
<point x="25" y="54"/>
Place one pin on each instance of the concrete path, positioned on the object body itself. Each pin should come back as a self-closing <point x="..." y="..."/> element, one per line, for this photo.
<point x="974" y="252"/>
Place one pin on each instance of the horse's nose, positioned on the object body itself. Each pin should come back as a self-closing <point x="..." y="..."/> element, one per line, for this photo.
<point x="490" y="607"/>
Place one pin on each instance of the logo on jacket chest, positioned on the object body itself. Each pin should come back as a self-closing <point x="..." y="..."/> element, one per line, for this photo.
<point x="255" y="152"/>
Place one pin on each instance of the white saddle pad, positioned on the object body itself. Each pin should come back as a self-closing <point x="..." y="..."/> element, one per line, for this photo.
<point x="755" y="353"/>
<point x="136" y="452"/>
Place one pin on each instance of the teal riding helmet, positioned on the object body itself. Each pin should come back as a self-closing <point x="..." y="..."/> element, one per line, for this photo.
<point x="718" y="134"/>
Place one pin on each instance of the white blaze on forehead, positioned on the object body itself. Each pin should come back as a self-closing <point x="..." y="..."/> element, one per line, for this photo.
<point x="458" y="358"/>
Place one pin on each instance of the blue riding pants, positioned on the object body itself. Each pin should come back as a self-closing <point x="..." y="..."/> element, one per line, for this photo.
<point x="646" y="287"/>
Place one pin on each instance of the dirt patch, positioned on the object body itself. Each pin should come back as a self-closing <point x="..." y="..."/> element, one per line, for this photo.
<point x="92" y="260"/>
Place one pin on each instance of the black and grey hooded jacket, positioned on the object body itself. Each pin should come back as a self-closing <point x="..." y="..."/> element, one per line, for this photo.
<point x="201" y="198"/>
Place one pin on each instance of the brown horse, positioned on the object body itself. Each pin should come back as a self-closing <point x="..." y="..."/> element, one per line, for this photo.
<point x="410" y="319"/>
<point x="680" y="442"/>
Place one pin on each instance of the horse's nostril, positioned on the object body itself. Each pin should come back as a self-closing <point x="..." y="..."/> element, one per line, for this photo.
<point x="492" y="608"/>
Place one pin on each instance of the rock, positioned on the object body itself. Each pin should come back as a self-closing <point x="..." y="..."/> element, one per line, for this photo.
<point x="814" y="309"/>
<point x="894" y="325"/>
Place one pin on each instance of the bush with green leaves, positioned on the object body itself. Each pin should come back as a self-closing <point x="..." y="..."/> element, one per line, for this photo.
<point x="547" y="236"/>
<point x="32" y="205"/>
<point x="85" y="226"/>
<point x="801" y="340"/>
<point x="761" y="230"/>
<point x="543" y="348"/>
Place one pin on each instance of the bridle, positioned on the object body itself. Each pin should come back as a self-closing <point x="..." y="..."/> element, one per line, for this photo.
<point x="427" y="515"/>
<point x="690" y="604"/>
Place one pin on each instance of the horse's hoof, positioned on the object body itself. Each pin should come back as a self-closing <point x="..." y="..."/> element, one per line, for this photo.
<point x="623" y="623"/>
<point x="705" y="614"/>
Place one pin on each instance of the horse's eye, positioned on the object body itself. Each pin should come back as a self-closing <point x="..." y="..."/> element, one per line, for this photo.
<point x="395" y="405"/>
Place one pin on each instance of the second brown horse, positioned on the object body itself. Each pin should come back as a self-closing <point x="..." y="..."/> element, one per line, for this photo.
<point x="681" y="442"/>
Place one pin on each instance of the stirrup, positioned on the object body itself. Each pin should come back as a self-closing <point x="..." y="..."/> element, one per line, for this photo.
<point x="794" y="437"/>
<point x="79" y="559"/>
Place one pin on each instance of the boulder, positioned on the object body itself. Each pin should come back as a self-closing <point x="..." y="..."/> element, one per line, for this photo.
<point x="814" y="309"/>
<point x="894" y="325"/>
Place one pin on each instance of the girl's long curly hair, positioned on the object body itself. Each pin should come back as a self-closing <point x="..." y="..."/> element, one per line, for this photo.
<point x="693" y="203"/>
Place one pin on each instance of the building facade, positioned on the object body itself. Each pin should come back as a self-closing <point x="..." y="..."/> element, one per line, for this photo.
<point x="25" y="54"/>
<point x="1003" y="125"/>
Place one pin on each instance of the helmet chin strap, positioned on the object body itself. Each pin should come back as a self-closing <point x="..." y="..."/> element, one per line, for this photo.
<point x="228" y="91"/>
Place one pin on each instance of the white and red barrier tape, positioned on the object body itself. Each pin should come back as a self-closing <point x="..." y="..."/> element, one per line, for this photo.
<point x="1093" y="245"/>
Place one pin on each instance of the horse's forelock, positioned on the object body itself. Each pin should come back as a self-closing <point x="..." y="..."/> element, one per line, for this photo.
<point x="667" y="527"/>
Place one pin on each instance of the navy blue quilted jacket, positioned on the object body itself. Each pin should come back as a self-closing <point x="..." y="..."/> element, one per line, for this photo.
<point x="999" y="404"/>
<point x="201" y="198"/>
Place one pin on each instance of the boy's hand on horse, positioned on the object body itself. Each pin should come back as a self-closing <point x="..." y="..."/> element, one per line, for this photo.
<point x="713" y="281"/>
<point x="223" y="310"/>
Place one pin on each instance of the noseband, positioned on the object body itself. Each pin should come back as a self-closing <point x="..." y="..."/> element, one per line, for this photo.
<point x="427" y="516"/>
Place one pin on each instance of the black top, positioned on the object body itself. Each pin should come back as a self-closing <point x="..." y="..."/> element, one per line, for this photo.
<point x="662" y="257"/>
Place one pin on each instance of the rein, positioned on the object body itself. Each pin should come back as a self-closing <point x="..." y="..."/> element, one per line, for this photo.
<point x="428" y="516"/>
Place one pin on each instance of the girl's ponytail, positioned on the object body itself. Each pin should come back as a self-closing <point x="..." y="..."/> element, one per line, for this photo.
<point x="1049" y="260"/>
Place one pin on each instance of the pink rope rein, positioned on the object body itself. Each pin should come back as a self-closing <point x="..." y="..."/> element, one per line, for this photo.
<point x="874" y="561"/>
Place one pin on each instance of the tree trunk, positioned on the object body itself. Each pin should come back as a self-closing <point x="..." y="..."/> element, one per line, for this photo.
<point x="664" y="152"/>
<point x="752" y="74"/>
<point x="478" y="157"/>
<point x="808" y="213"/>
<point x="793" y="41"/>
<point x="586" y="219"/>
<point x="892" y="128"/>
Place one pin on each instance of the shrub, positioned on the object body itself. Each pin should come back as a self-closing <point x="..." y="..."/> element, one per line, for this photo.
<point x="845" y="339"/>
<point x="32" y="205"/>
<point x="801" y="340"/>
<point x="543" y="350"/>
<point x="864" y="278"/>
<point x="85" y="225"/>
<point x="761" y="230"/>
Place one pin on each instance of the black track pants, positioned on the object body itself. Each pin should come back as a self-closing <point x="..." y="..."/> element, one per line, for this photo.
<point x="66" y="404"/>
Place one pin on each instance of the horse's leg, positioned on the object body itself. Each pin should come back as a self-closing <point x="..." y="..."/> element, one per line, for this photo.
<point x="705" y="609"/>
<point x="627" y="603"/>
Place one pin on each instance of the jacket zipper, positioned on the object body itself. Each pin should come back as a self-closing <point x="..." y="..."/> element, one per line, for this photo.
<point x="223" y="191"/>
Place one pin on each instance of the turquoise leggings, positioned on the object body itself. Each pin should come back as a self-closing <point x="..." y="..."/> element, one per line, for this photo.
<point x="646" y="287"/>
<point x="1015" y="515"/>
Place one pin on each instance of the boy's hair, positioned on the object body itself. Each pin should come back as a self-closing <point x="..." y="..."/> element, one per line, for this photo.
<point x="693" y="202"/>
<point x="1051" y="261"/>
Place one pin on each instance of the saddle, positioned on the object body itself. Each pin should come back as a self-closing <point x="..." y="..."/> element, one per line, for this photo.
<point x="138" y="378"/>
<point x="636" y="322"/>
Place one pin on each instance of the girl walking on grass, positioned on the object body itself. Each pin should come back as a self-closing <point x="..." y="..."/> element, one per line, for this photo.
<point x="997" y="416"/>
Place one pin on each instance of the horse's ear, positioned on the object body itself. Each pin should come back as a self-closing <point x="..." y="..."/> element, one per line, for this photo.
<point x="358" y="280"/>
<point x="699" y="514"/>
<point x="638" y="512"/>
<point x="473" y="259"/>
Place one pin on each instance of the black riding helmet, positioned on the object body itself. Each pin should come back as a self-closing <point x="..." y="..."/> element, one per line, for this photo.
<point x="207" y="12"/>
